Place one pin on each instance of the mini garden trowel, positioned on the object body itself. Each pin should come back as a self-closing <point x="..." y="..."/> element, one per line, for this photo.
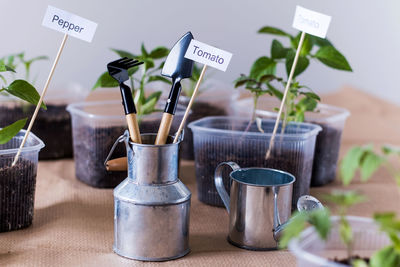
<point x="176" y="67"/>
<point x="118" y="69"/>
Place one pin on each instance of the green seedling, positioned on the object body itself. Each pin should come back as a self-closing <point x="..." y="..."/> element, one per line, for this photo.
<point x="19" y="88"/>
<point x="365" y="161"/>
<point x="263" y="77"/>
<point x="139" y="79"/>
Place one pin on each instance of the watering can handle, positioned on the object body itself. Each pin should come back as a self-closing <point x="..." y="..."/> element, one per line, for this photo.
<point x="122" y="138"/>
<point x="219" y="184"/>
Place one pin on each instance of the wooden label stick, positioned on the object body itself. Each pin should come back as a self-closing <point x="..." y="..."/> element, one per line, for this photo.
<point x="41" y="98"/>
<point x="178" y="133"/>
<point x="278" y="118"/>
<point x="306" y="21"/>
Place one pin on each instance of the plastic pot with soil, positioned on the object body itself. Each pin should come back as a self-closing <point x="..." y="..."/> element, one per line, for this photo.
<point x="208" y="103"/>
<point x="311" y="251"/>
<point x="218" y="139"/>
<point x="51" y="125"/>
<point x="17" y="183"/>
<point x="95" y="127"/>
<point x="332" y="120"/>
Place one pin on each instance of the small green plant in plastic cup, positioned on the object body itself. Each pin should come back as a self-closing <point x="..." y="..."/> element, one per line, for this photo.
<point x="366" y="161"/>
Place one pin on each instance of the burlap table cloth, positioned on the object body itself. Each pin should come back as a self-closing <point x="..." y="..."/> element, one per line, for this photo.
<point x="73" y="223"/>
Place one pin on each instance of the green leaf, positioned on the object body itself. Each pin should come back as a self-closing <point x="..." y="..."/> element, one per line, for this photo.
<point x="155" y="95"/>
<point x="105" y="81"/>
<point x="4" y="67"/>
<point x="344" y="198"/>
<point x="370" y="163"/>
<point x="277" y="50"/>
<point x="320" y="219"/>
<point x="275" y="91"/>
<point x="311" y="95"/>
<point x="319" y="41"/>
<point x="261" y="67"/>
<point x="159" y="52"/>
<point x="7" y="133"/>
<point x="273" y="30"/>
<point x="387" y="257"/>
<point x="296" y="224"/>
<point x="158" y="78"/>
<point x="148" y="107"/>
<point x="25" y="91"/>
<point x="307" y="104"/>
<point x="350" y="164"/>
<point x="345" y="231"/>
<point x="144" y="51"/>
<point x="123" y="53"/>
<point x="332" y="58"/>
<point x="389" y="149"/>
<point x="307" y="44"/>
<point x="242" y="80"/>
<point x="359" y="263"/>
<point x="302" y="63"/>
<point x="148" y="63"/>
<point x="36" y="59"/>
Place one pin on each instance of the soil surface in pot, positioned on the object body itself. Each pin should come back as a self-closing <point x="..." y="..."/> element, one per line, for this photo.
<point x="349" y="261"/>
<point x="326" y="155"/>
<point x="52" y="126"/>
<point x="17" y="194"/>
<point x="200" y="110"/>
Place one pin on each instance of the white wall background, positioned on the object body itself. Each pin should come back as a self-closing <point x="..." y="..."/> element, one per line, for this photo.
<point x="367" y="32"/>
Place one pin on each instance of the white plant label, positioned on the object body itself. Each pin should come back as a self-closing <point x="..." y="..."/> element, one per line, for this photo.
<point x="208" y="55"/>
<point x="311" y="22"/>
<point x="71" y="24"/>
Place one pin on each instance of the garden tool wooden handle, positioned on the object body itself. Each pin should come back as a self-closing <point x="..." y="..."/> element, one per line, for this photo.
<point x="118" y="164"/>
<point x="163" y="131"/>
<point x="133" y="127"/>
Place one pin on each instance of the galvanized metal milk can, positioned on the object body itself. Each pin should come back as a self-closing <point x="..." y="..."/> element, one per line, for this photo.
<point x="151" y="206"/>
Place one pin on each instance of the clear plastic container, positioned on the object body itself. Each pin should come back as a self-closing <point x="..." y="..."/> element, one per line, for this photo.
<point x="51" y="125"/>
<point x="95" y="127"/>
<point x="218" y="139"/>
<point x="332" y="120"/>
<point x="212" y="102"/>
<point x="311" y="251"/>
<point x="17" y="183"/>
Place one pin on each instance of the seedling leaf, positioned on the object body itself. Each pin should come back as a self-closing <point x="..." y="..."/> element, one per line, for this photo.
<point x="25" y="91"/>
<point x="7" y="133"/>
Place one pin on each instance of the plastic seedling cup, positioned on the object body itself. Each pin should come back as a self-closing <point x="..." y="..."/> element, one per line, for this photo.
<point x="17" y="184"/>
<point x="212" y="102"/>
<point x="332" y="120"/>
<point x="51" y="125"/>
<point x="311" y="251"/>
<point x="95" y="127"/>
<point x="218" y="139"/>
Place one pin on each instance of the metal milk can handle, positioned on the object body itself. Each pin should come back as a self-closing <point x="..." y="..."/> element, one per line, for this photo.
<point x="219" y="184"/>
<point x="122" y="138"/>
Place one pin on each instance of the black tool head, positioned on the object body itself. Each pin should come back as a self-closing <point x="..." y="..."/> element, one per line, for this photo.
<point x="118" y="69"/>
<point x="176" y="65"/>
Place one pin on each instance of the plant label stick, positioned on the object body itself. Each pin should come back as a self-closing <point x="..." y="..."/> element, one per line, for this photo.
<point x="307" y="21"/>
<point x="209" y="56"/>
<point x="69" y="24"/>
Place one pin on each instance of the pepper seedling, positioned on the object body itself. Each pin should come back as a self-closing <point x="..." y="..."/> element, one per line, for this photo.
<point x="144" y="105"/>
<point x="19" y="88"/>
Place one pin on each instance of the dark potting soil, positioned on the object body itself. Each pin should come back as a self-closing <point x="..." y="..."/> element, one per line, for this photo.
<point x="245" y="154"/>
<point x="326" y="155"/>
<point x="17" y="194"/>
<point x="349" y="261"/>
<point x="52" y="126"/>
<point x="199" y="110"/>
<point x="92" y="145"/>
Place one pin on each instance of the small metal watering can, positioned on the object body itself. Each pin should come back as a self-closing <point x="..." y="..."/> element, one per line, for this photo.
<point x="151" y="206"/>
